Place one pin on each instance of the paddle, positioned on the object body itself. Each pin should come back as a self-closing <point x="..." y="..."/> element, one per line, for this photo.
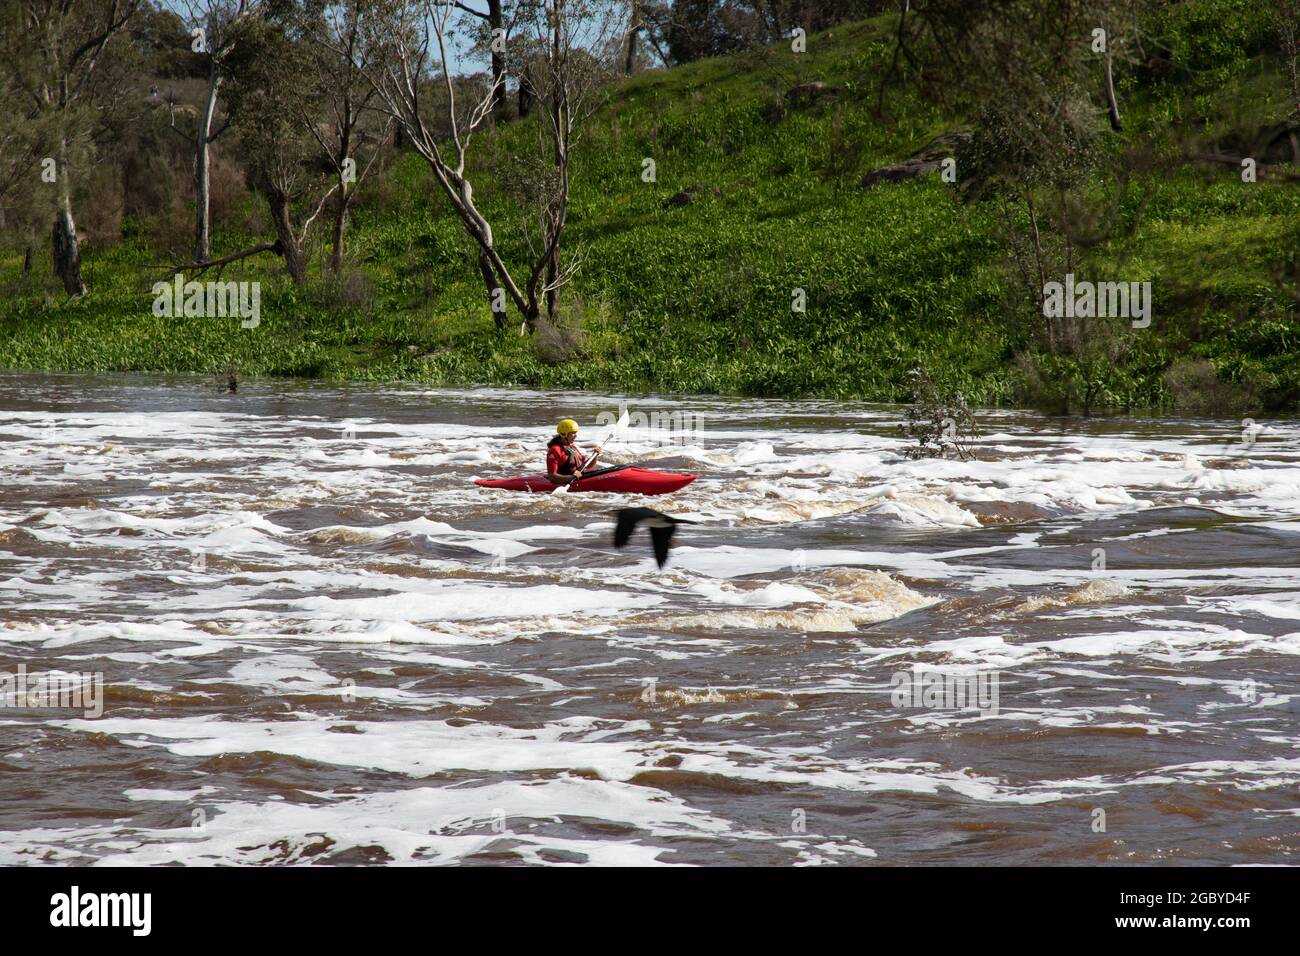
<point x="619" y="425"/>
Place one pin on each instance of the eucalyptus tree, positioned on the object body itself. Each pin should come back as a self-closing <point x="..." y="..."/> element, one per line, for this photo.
<point x="495" y="26"/>
<point x="216" y="27"/>
<point x="50" y="51"/>
<point x="24" y="134"/>
<point x="570" y="34"/>
<point x="1037" y="76"/>
<point x="273" y="86"/>
<point x="340" y="113"/>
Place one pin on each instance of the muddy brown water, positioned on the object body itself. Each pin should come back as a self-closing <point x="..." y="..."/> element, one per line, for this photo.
<point x="320" y="642"/>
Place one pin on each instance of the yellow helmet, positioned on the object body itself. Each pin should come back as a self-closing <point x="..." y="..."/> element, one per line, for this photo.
<point x="567" y="427"/>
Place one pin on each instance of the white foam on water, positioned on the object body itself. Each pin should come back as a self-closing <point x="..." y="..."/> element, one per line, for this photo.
<point x="413" y="748"/>
<point x="441" y="825"/>
<point x="338" y="565"/>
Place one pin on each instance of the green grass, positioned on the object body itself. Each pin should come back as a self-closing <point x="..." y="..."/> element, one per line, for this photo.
<point x="698" y="298"/>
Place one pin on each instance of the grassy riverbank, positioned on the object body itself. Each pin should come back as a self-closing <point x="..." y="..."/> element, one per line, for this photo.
<point x="697" y="297"/>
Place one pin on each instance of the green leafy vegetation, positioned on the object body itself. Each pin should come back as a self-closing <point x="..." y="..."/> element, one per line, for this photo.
<point x="699" y="294"/>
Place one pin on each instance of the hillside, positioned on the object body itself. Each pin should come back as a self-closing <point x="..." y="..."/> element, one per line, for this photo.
<point x="697" y="296"/>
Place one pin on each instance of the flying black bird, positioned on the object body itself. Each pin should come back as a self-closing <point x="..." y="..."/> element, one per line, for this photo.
<point x="661" y="528"/>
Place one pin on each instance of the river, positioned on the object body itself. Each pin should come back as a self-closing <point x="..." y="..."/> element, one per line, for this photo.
<point x="320" y="642"/>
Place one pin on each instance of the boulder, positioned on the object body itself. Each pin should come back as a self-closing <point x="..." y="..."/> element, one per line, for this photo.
<point x="806" y="94"/>
<point x="928" y="159"/>
<point x="690" y="194"/>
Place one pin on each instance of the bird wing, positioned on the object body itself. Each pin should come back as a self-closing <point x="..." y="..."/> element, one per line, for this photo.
<point x="662" y="538"/>
<point x="627" y="519"/>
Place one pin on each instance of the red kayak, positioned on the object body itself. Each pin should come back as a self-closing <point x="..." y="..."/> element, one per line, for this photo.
<point x="621" y="478"/>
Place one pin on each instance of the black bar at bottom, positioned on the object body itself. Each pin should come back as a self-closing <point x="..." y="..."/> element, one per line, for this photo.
<point x="334" y="906"/>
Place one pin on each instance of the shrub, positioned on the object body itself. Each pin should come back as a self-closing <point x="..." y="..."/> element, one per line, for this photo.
<point x="1197" y="389"/>
<point x="563" y="339"/>
<point x="940" y="423"/>
<point x="350" y="289"/>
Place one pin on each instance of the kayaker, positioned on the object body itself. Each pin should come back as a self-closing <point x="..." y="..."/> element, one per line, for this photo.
<point x="565" y="460"/>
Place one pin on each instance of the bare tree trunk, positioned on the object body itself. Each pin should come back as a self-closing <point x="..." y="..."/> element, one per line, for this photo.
<point x="286" y="241"/>
<point x="555" y="217"/>
<point x="1111" y="103"/>
<point x="557" y="133"/>
<point x="490" y="281"/>
<point x="344" y="199"/>
<point x="496" y="21"/>
<point x="552" y="286"/>
<point x="67" y="251"/>
<point x="1065" y="234"/>
<point x="1042" y="272"/>
<point x="634" y="27"/>
<point x="27" y="259"/>
<point x="527" y="95"/>
<point x="340" y="226"/>
<point x="203" y="170"/>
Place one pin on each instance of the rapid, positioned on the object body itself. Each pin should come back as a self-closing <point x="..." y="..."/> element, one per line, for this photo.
<point x="320" y="642"/>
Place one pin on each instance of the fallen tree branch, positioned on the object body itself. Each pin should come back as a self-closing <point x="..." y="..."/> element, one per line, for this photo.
<point x="203" y="265"/>
<point x="1271" y="169"/>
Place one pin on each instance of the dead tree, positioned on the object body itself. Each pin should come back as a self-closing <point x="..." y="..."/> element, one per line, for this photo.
<point x="347" y="101"/>
<point x="494" y="20"/>
<point x="416" y="34"/>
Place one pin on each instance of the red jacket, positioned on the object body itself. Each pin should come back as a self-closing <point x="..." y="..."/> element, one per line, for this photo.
<point x="562" y="459"/>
